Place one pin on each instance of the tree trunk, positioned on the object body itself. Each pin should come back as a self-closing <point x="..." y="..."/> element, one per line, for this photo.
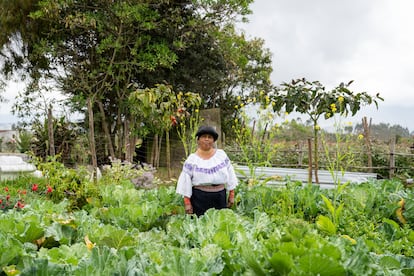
<point x="168" y="152"/>
<point x="119" y="139"/>
<point x="51" y="134"/>
<point x="310" y="161"/>
<point x="316" y="155"/>
<point x="154" y="151"/>
<point x="106" y="130"/>
<point x="92" y="135"/>
<point x="130" y="142"/>
<point x="159" y="150"/>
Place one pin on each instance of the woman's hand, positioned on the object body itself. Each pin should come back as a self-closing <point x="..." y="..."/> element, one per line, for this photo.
<point x="230" y="200"/>
<point x="188" y="209"/>
<point x="187" y="206"/>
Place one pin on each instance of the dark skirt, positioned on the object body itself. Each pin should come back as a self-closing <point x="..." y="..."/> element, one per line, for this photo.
<point x="202" y="201"/>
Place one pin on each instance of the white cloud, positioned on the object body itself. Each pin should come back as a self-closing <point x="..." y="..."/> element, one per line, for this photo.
<point x="367" y="41"/>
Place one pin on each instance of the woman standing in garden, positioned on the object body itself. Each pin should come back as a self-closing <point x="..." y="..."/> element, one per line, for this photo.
<point x="207" y="176"/>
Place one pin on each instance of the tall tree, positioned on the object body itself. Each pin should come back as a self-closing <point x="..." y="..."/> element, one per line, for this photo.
<point x="95" y="50"/>
<point x="312" y="99"/>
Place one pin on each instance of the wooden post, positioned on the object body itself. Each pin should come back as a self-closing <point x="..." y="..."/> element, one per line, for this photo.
<point x="392" y="158"/>
<point x="367" y="139"/>
<point x="300" y="152"/>
<point x="310" y="161"/>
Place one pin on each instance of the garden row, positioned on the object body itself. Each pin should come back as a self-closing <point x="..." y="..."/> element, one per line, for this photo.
<point x="117" y="229"/>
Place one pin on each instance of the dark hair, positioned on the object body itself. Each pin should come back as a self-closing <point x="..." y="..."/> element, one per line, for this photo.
<point x="207" y="130"/>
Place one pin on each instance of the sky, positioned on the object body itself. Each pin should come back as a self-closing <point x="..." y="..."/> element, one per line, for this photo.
<point x="334" y="41"/>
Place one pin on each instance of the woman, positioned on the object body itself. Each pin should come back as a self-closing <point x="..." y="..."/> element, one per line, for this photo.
<point x="206" y="176"/>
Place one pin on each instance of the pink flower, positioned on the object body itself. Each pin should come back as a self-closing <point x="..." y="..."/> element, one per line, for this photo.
<point x="7" y="197"/>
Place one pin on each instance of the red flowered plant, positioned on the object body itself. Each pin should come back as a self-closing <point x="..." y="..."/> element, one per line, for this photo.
<point x="8" y="201"/>
<point x="11" y="198"/>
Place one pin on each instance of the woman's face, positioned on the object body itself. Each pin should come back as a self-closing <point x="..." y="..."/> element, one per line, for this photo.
<point x="205" y="141"/>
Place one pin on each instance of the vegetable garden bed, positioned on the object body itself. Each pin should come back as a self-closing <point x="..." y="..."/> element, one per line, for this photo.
<point x="363" y="229"/>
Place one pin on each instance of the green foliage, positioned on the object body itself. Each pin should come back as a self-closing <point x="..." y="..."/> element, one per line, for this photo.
<point x="312" y="99"/>
<point x="67" y="140"/>
<point x="24" y="141"/>
<point x="106" y="48"/>
<point x="299" y="229"/>
<point x="255" y="137"/>
<point x="65" y="183"/>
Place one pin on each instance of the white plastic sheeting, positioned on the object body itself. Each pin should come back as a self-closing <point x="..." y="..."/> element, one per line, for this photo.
<point x="279" y="176"/>
<point x="12" y="166"/>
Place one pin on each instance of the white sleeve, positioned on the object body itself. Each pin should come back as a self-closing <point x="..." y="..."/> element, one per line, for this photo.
<point x="184" y="185"/>
<point x="232" y="181"/>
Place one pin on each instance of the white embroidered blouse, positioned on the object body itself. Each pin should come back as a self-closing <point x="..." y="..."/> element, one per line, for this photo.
<point x="215" y="170"/>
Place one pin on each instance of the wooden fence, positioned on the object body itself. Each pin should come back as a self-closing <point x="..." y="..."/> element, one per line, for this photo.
<point x="389" y="168"/>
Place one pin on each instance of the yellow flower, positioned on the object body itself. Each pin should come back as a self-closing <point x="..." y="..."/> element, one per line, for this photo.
<point x="241" y="105"/>
<point x="333" y="107"/>
<point x="196" y="111"/>
<point x="273" y="103"/>
<point x="261" y="92"/>
<point x="317" y="127"/>
<point x="238" y="98"/>
<point x="236" y="106"/>
<point x="328" y="115"/>
<point x="254" y="99"/>
<point x="341" y="99"/>
<point x="286" y="113"/>
<point x="88" y="243"/>
<point x="349" y="238"/>
<point x="236" y="120"/>
<point x="360" y="137"/>
<point x="349" y="123"/>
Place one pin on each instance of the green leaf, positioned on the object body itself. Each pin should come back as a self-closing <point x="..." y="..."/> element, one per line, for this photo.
<point x="282" y="263"/>
<point x="389" y="262"/>
<point x="325" y="225"/>
<point x="329" y="205"/>
<point x="315" y="264"/>
<point x="117" y="239"/>
<point x="63" y="234"/>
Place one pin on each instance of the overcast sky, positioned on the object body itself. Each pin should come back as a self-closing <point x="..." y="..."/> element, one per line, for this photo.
<point x="332" y="41"/>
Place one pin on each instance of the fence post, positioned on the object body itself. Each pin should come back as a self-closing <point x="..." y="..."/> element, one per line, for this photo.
<point x="392" y="158"/>
<point x="300" y="151"/>
<point x="367" y="138"/>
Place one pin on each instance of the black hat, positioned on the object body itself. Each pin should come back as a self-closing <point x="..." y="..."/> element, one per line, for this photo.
<point x="207" y="130"/>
